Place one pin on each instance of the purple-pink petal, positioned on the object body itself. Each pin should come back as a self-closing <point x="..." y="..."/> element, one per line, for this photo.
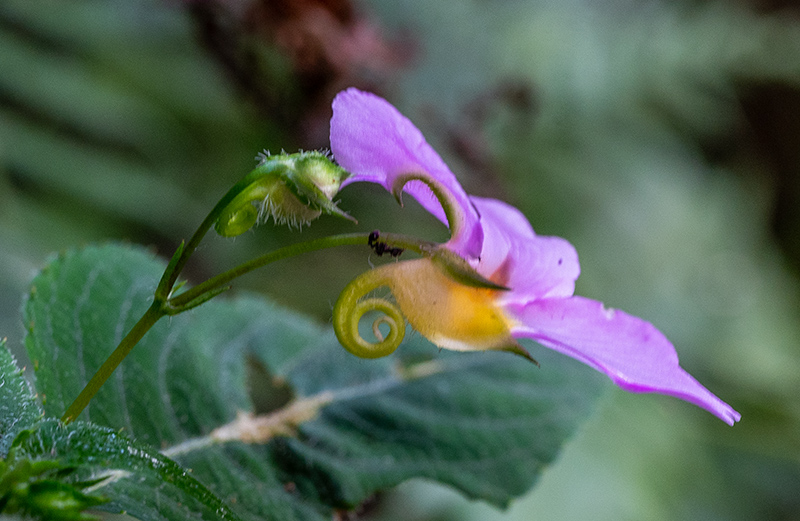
<point x="376" y="143"/>
<point x="533" y="266"/>
<point x="631" y="351"/>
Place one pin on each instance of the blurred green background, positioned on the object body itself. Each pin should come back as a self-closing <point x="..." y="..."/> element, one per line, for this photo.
<point x="662" y="138"/>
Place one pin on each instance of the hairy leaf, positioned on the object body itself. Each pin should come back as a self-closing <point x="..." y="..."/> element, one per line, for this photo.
<point x="133" y="473"/>
<point x="18" y="407"/>
<point x="485" y="423"/>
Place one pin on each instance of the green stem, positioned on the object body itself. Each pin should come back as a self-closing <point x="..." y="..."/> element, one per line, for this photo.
<point x="151" y="316"/>
<point x="209" y="289"/>
<point x="159" y="307"/>
<point x="183" y="253"/>
<point x="196" y="294"/>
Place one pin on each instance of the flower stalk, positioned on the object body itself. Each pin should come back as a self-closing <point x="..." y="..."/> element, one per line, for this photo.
<point x="148" y="320"/>
<point x="494" y="281"/>
<point x="291" y="189"/>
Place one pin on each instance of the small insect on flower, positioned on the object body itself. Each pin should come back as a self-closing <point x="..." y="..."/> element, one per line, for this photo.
<point x="382" y="247"/>
<point x="373" y="238"/>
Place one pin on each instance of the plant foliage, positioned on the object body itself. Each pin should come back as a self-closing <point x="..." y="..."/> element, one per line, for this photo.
<point x="243" y="410"/>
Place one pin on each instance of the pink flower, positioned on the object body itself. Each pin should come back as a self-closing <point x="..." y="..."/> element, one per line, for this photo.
<point x="376" y="143"/>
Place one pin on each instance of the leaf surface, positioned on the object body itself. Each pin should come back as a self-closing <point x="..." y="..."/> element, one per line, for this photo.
<point x="18" y="407"/>
<point x="141" y="481"/>
<point x="337" y="429"/>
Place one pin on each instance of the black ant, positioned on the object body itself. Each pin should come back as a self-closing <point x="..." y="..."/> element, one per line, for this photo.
<point x="381" y="247"/>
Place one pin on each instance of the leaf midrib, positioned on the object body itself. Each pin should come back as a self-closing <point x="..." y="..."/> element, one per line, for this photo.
<point x="321" y="400"/>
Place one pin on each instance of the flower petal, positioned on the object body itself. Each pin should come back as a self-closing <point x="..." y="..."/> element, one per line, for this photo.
<point x="631" y="351"/>
<point x="533" y="266"/>
<point x="376" y="143"/>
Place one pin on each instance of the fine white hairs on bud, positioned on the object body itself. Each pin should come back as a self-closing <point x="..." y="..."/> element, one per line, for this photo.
<point x="292" y="189"/>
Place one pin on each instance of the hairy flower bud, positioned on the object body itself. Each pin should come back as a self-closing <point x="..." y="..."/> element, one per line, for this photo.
<point x="293" y="189"/>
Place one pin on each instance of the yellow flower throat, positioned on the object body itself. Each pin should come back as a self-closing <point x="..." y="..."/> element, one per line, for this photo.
<point x="449" y="314"/>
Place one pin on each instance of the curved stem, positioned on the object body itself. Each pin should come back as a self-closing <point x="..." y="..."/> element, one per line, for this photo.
<point x="210" y="288"/>
<point x="158" y="309"/>
<point x="151" y="316"/>
<point x="182" y="254"/>
<point x="190" y="298"/>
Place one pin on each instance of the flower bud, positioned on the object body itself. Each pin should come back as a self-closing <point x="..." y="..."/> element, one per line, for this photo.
<point x="293" y="189"/>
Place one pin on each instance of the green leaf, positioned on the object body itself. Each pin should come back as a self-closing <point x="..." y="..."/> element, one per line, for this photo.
<point x="102" y="460"/>
<point x="18" y="407"/>
<point x="43" y="488"/>
<point x="485" y="423"/>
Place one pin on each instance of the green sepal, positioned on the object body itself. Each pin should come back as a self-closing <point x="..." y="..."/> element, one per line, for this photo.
<point x="518" y="350"/>
<point x="460" y="271"/>
<point x="450" y="206"/>
<point x="314" y="180"/>
<point x="293" y="189"/>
